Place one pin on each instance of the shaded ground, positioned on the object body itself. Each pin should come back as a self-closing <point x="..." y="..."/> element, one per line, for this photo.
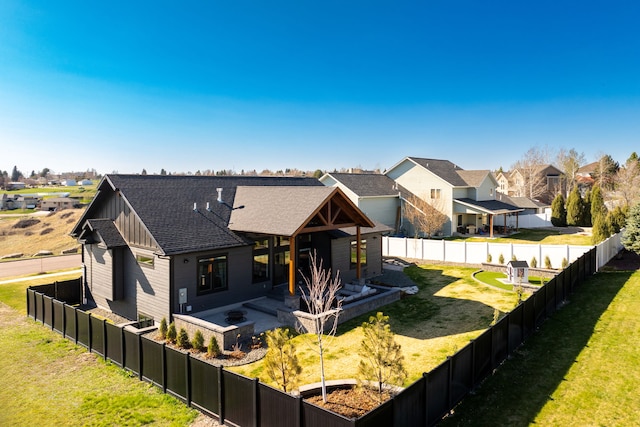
<point x="625" y="261"/>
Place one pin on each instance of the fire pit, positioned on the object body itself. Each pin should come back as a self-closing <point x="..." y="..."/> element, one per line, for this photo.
<point x="235" y="316"/>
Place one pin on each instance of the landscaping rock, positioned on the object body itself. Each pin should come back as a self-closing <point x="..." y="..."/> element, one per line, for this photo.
<point x="73" y="250"/>
<point x="43" y="253"/>
<point x="11" y="256"/>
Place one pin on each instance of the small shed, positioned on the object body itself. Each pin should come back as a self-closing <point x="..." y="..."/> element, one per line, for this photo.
<point x="518" y="272"/>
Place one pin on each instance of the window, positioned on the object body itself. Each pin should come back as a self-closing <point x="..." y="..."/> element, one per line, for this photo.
<point x="435" y="193"/>
<point x="261" y="260"/>
<point x="212" y="274"/>
<point x="145" y="260"/>
<point x="145" y="320"/>
<point x="354" y="253"/>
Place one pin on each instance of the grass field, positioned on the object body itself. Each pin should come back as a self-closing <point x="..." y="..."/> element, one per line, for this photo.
<point x="492" y="278"/>
<point x="580" y="369"/>
<point x="450" y="309"/>
<point x="50" y="232"/>
<point x="47" y="380"/>
<point x="84" y="192"/>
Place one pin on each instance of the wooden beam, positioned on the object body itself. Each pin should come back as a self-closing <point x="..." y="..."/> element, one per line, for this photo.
<point x="293" y="257"/>
<point x="491" y="225"/>
<point x="326" y="227"/>
<point x="358" y="248"/>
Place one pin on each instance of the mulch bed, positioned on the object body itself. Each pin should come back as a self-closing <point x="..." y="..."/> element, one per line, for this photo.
<point x="624" y="261"/>
<point x="349" y="402"/>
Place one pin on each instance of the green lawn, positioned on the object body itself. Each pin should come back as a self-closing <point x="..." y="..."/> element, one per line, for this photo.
<point x="492" y="278"/>
<point x="536" y="235"/>
<point x="580" y="369"/>
<point x="47" y="380"/>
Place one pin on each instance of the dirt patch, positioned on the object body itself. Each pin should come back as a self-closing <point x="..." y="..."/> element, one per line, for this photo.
<point x="350" y="402"/>
<point x="624" y="261"/>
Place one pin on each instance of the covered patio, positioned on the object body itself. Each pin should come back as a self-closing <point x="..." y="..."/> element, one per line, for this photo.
<point x="479" y="215"/>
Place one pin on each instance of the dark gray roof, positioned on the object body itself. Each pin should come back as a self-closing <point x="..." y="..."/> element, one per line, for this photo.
<point x="451" y="173"/>
<point x="521" y="202"/>
<point x="165" y="205"/>
<point x="490" y="206"/>
<point x="518" y="264"/>
<point x="367" y="184"/>
<point x="107" y="232"/>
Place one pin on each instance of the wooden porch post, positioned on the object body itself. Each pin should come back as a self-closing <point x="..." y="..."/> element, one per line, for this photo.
<point x="358" y="248"/>
<point x="504" y="216"/>
<point x="517" y="220"/>
<point x="293" y="258"/>
<point x="491" y="225"/>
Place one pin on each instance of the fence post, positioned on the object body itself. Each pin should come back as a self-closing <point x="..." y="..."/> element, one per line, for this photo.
<point x="89" y="339"/>
<point x="164" y="367"/>
<point x="425" y="377"/>
<point x="104" y="339"/>
<point x="188" y="385"/>
<point x="473" y="363"/>
<point x="139" y="356"/>
<point x="256" y="416"/>
<point x="220" y="396"/>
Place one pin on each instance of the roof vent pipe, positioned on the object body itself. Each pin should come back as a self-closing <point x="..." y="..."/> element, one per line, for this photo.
<point x="219" y="190"/>
<point x="195" y="206"/>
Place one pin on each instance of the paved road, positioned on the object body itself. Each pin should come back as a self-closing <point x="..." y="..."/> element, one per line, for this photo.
<point x="39" y="265"/>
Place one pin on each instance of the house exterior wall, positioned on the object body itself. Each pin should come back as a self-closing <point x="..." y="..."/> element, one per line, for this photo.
<point x="486" y="190"/>
<point x="239" y="276"/>
<point x="420" y="182"/>
<point x="331" y="182"/>
<point x="129" y="288"/>
<point x="381" y="209"/>
<point x="341" y="257"/>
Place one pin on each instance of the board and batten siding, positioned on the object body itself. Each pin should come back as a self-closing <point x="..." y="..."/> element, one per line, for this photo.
<point x="126" y="222"/>
<point x="150" y="286"/>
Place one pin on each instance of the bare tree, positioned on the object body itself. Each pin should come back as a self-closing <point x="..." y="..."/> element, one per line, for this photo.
<point x="424" y="214"/>
<point x="627" y="182"/>
<point x="605" y="172"/>
<point x="529" y="166"/>
<point x="320" y="294"/>
<point x="569" y="162"/>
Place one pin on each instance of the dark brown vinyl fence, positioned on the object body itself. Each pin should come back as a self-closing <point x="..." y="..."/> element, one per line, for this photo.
<point x="237" y="400"/>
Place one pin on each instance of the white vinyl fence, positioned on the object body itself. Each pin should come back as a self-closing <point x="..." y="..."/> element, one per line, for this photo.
<point x="478" y="252"/>
<point x="525" y="221"/>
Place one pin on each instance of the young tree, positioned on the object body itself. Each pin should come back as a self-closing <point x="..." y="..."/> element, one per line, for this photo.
<point x="617" y="218"/>
<point x="529" y="166"/>
<point x="600" y="230"/>
<point x="425" y="216"/>
<point x="281" y="361"/>
<point x="198" y="340"/>
<point x="631" y="235"/>
<point x="586" y="209"/>
<point x="162" y="330"/>
<point x="575" y="207"/>
<point x="558" y="212"/>
<point x="15" y="174"/>
<point x="320" y="293"/>
<point x="381" y="357"/>
<point x="598" y="207"/>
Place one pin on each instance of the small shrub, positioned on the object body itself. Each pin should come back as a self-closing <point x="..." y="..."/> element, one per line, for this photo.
<point x="565" y="263"/>
<point x="183" y="339"/>
<point x="256" y="342"/>
<point x="489" y="258"/>
<point x="496" y="316"/>
<point x="198" y="340"/>
<point x="172" y="334"/>
<point x="46" y="231"/>
<point x="513" y="257"/>
<point x="66" y="215"/>
<point x="547" y="262"/>
<point x="162" y="330"/>
<point x="26" y="223"/>
<point x="213" y="349"/>
<point x="501" y="259"/>
<point x="28" y="233"/>
<point x="534" y="262"/>
<point x="236" y="350"/>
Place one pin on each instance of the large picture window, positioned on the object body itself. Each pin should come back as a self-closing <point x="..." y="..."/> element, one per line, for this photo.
<point x="212" y="274"/>
<point x="354" y="253"/>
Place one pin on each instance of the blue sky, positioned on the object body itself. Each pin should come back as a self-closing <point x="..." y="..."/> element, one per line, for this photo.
<point x="195" y="85"/>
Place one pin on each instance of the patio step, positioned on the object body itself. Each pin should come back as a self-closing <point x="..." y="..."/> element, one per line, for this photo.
<point x="261" y="308"/>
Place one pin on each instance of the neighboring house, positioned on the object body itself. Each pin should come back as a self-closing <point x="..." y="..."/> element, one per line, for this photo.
<point x="154" y="245"/>
<point x="546" y="183"/>
<point x="85" y="182"/>
<point x="16" y="186"/>
<point x="69" y="183"/>
<point x="4" y="198"/>
<point x="27" y="202"/>
<point x="378" y="196"/>
<point x="528" y="206"/>
<point x="466" y="197"/>
<point x="58" y="203"/>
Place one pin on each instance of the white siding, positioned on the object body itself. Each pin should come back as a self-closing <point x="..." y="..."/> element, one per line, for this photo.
<point x="381" y="209"/>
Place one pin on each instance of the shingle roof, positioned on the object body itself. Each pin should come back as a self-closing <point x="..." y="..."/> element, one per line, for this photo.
<point x="490" y="206"/>
<point x="107" y="231"/>
<point x="451" y="173"/>
<point x="521" y="202"/>
<point x="367" y="184"/>
<point x="165" y="205"/>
